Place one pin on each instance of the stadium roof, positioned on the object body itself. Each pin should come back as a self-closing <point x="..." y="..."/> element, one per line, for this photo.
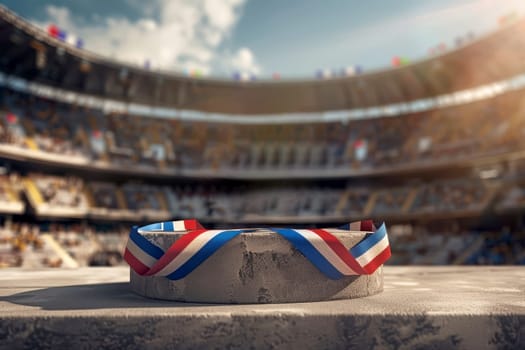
<point x="31" y="54"/>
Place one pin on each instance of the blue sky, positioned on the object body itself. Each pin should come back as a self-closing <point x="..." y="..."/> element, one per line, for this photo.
<point x="292" y="37"/>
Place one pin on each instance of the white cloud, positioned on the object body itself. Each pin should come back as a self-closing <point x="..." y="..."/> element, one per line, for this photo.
<point x="59" y="15"/>
<point x="173" y="34"/>
<point x="244" y="61"/>
<point x="147" y="24"/>
<point x="221" y="13"/>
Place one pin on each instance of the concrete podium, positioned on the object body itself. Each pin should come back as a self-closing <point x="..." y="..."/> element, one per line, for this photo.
<point x="257" y="267"/>
<point x="421" y="307"/>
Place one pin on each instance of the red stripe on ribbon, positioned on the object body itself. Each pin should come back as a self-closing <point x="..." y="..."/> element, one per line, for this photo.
<point x="175" y="250"/>
<point x="340" y="250"/>
<point x="378" y="260"/>
<point x="367" y="225"/>
<point x="135" y="263"/>
<point x="192" y="224"/>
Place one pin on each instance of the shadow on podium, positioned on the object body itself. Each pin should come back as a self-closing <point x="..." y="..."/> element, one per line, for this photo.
<point x="89" y="296"/>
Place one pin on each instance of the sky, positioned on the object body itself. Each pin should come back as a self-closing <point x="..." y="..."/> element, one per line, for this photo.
<point x="294" y="38"/>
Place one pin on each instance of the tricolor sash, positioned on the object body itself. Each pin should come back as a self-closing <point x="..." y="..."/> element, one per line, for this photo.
<point x="197" y="244"/>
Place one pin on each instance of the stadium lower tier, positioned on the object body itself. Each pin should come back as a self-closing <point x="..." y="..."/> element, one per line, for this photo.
<point x="73" y="244"/>
<point x="45" y="129"/>
<point x="47" y="244"/>
<point x="50" y="220"/>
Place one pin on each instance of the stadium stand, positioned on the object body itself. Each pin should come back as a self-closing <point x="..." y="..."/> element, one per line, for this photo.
<point x="10" y="201"/>
<point x="56" y="196"/>
<point x="123" y="139"/>
<point x="135" y="201"/>
<point x="80" y="165"/>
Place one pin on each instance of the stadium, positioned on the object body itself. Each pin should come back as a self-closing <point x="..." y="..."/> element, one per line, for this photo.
<point x="218" y="191"/>
<point x="90" y="147"/>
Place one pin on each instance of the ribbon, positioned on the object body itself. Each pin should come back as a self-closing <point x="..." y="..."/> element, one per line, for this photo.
<point x="197" y="244"/>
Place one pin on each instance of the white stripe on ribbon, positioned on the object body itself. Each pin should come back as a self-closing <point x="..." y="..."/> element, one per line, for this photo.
<point x="374" y="251"/>
<point x="141" y="255"/>
<point x="179" y="225"/>
<point x="327" y="252"/>
<point x="189" y="251"/>
<point x="355" y="226"/>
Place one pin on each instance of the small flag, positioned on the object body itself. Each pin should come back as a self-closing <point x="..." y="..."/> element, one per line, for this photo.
<point x="11" y="118"/>
<point x="96" y="134"/>
<point x="71" y="39"/>
<point x="241" y="76"/>
<point x="396" y="61"/>
<point x="349" y="71"/>
<point x="62" y="34"/>
<point x="360" y="149"/>
<point x="53" y="30"/>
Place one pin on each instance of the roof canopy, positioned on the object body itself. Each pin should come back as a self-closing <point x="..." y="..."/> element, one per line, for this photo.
<point x="29" y="53"/>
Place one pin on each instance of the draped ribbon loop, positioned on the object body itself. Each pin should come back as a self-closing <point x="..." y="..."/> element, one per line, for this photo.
<point x="319" y="246"/>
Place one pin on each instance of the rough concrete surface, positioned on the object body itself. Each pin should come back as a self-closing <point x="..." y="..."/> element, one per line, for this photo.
<point x="420" y="308"/>
<point x="257" y="267"/>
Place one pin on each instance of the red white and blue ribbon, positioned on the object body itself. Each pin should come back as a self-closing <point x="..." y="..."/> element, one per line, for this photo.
<point x="197" y="244"/>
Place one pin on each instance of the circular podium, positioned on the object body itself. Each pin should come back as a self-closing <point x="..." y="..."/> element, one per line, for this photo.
<point x="257" y="267"/>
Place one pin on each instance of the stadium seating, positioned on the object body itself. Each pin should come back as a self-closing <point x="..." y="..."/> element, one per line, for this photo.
<point x="120" y="139"/>
<point x="78" y="169"/>
<point x="55" y="196"/>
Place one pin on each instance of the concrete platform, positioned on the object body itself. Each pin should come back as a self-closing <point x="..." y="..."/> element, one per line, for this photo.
<point x="258" y="267"/>
<point x="421" y="307"/>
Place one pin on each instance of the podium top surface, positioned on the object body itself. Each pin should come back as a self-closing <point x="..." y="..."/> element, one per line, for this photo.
<point x="410" y="291"/>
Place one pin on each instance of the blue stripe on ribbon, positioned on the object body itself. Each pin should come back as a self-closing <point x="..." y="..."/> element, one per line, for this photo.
<point x="204" y="253"/>
<point x="345" y="227"/>
<point x="144" y="244"/>
<point x="168" y="226"/>
<point x="367" y="243"/>
<point x="310" y="252"/>
<point x="152" y="227"/>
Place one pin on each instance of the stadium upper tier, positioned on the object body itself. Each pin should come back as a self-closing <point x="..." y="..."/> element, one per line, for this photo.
<point x="37" y="129"/>
<point x="31" y="54"/>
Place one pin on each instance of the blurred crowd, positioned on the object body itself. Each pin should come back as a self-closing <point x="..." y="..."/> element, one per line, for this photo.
<point x="457" y="247"/>
<point x="50" y="245"/>
<point x="503" y="247"/>
<point x="60" y="191"/>
<point x="70" y="196"/>
<point x="75" y="133"/>
<point x="89" y="244"/>
<point x="485" y="127"/>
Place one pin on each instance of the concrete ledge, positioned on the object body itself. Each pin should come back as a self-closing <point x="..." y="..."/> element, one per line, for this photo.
<point x="421" y="307"/>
